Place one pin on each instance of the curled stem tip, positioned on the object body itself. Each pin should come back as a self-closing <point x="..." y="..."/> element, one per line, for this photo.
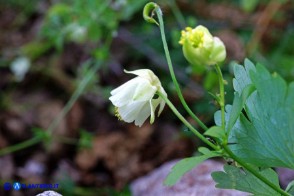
<point x="148" y="12"/>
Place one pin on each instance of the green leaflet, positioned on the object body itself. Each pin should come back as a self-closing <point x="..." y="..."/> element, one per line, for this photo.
<point x="238" y="104"/>
<point x="216" y="132"/>
<point x="266" y="137"/>
<point x="290" y="188"/>
<point x="187" y="164"/>
<point x="242" y="180"/>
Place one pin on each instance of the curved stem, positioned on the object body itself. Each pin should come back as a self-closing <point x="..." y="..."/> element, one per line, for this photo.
<point x="222" y="95"/>
<point x="21" y="145"/>
<point x="172" y="73"/>
<point x="177" y="113"/>
<point x="254" y="172"/>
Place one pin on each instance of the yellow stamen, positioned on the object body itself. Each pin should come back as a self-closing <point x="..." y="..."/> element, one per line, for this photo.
<point x="116" y="113"/>
<point x="194" y="36"/>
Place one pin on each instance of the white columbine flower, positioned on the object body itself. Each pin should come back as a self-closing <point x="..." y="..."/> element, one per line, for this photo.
<point x="134" y="100"/>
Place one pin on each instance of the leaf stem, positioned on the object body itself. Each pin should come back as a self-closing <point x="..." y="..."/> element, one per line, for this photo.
<point x="222" y="95"/>
<point x="254" y="172"/>
<point x="177" y="113"/>
<point x="172" y="73"/>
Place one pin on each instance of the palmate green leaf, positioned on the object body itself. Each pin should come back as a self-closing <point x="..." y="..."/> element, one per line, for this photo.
<point x="187" y="164"/>
<point x="265" y="135"/>
<point x="242" y="180"/>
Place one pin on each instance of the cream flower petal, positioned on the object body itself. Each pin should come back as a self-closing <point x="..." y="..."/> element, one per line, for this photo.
<point x="143" y="114"/>
<point x="153" y="105"/>
<point x="147" y="74"/>
<point x="130" y="111"/>
<point x="162" y="102"/>
<point x="137" y="89"/>
<point x="124" y="93"/>
<point x="129" y="84"/>
<point x="144" y="73"/>
<point x="144" y="91"/>
<point x="148" y="110"/>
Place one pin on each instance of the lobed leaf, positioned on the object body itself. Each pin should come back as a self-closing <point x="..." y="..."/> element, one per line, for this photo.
<point x="242" y="180"/>
<point x="264" y="134"/>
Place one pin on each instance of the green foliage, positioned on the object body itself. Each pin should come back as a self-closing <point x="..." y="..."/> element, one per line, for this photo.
<point x="290" y="188"/>
<point x="187" y="164"/>
<point x="85" y="72"/>
<point x="216" y="132"/>
<point x="282" y="54"/>
<point x="238" y="104"/>
<point x="24" y="6"/>
<point x="42" y="134"/>
<point x="242" y="180"/>
<point x="35" y="49"/>
<point x="263" y="135"/>
<point x="78" y="21"/>
<point x="85" y="140"/>
<point x="210" y="80"/>
<point x="249" y="5"/>
<point x="66" y="184"/>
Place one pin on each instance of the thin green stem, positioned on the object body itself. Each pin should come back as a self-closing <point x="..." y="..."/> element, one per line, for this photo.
<point x="254" y="172"/>
<point x="59" y="117"/>
<point x="172" y="73"/>
<point x="222" y="95"/>
<point x="88" y="76"/>
<point x="22" y="145"/>
<point x="177" y="113"/>
<point x="73" y="98"/>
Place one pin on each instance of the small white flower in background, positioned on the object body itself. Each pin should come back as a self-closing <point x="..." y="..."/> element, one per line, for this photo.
<point x="76" y="32"/>
<point x="134" y="100"/>
<point x="20" y="67"/>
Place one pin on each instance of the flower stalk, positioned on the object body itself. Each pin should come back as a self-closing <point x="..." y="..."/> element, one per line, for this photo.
<point x="221" y="99"/>
<point x="185" y="122"/>
<point x="172" y="73"/>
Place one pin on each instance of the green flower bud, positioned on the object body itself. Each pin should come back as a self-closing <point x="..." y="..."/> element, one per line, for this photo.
<point x="200" y="48"/>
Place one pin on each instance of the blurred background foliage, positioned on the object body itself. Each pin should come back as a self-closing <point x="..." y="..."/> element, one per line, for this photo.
<point x="60" y="59"/>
